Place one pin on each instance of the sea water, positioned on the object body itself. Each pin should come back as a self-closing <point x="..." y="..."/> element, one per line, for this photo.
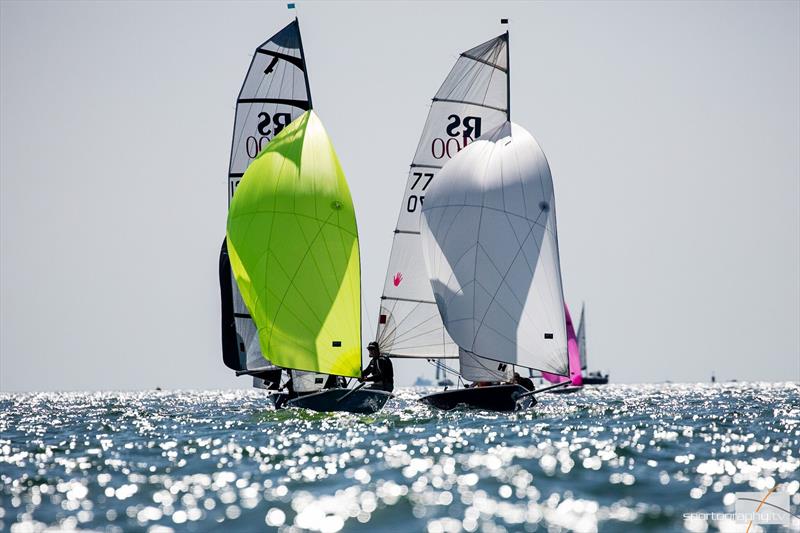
<point x="666" y="457"/>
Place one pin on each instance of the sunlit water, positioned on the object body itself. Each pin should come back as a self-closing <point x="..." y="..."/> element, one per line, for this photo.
<point x="613" y="458"/>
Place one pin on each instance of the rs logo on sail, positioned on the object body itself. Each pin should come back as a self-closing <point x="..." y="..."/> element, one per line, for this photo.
<point x="278" y="121"/>
<point x="460" y="132"/>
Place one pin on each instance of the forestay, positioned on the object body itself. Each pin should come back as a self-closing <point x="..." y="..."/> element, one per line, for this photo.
<point x="293" y="247"/>
<point x="274" y="93"/>
<point x="473" y="99"/>
<point x="491" y="250"/>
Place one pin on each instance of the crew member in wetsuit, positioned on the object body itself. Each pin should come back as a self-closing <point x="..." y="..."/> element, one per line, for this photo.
<point x="379" y="371"/>
<point x="290" y="393"/>
<point x="525" y="382"/>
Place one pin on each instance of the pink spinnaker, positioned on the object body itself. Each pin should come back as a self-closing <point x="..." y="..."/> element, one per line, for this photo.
<point x="574" y="356"/>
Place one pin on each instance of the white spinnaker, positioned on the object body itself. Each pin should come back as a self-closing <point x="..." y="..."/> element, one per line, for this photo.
<point x="582" y="337"/>
<point x="475" y="368"/>
<point x="473" y="99"/>
<point x="489" y="238"/>
<point x="274" y="92"/>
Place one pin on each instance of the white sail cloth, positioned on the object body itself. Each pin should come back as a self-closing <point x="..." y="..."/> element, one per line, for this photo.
<point x="473" y="99"/>
<point x="491" y="250"/>
<point x="476" y="368"/>
<point x="303" y="381"/>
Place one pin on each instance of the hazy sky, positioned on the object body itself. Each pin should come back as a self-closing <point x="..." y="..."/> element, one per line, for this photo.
<point x="672" y="130"/>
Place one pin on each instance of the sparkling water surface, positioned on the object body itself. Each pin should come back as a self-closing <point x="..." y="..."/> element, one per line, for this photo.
<point x="610" y="458"/>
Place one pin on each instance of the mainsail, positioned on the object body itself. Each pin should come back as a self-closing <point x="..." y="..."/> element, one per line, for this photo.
<point x="293" y="246"/>
<point x="472" y="100"/>
<point x="491" y="251"/>
<point x="582" y="337"/>
<point x="274" y="93"/>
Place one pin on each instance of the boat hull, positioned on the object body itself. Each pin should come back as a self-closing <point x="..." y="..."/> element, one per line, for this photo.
<point x="566" y="390"/>
<point x="361" y="401"/>
<point x="595" y="381"/>
<point x="493" y="398"/>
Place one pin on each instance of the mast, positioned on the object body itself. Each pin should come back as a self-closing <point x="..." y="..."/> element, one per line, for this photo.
<point x="508" y="72"/>
<point x="305" y="66"/>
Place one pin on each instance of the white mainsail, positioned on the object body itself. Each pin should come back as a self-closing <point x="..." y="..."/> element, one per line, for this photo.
<point x="275" y="91"/>
<point x="473" y="99"/>
<point x="491" y="250"/>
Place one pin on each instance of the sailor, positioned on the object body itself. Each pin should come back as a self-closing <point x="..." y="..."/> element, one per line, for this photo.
<point x="379" y="371"/>
<point x="525" y="382"/>
<point x="290" y="393"/>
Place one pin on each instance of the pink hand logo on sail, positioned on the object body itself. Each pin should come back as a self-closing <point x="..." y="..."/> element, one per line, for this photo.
<point x="397" y="279"/>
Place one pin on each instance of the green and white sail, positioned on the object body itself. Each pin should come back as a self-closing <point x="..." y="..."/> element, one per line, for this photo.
<point x="473" y="99"/>
<point x="293" y="247"/>
<point x="274" y="93"/>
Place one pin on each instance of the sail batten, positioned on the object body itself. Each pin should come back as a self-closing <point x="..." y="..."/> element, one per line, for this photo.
<point x="472" y="99"/>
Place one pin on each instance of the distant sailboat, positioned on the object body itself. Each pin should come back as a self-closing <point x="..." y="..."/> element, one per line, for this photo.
<point x="591" y="378"/>
<point x="292" y="240"/>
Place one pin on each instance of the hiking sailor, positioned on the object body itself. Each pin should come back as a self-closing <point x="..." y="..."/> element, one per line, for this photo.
<point x="379" y="371"/>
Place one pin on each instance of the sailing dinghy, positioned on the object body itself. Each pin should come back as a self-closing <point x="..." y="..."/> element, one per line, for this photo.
<point x="472" y="99"/>
<point x="292" y="241"/>
<point x="488" y="232"/>
<point x="592" y="378"/>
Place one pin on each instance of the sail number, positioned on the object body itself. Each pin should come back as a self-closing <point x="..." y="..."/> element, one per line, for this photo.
<point x="460" y="132"/>
<point x="414" y="200"/>
<point x="268" y="127"/>
<point x="254" y="145"/>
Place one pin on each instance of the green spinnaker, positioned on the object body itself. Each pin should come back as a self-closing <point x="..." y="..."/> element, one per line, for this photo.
<point x="293" y="246"/>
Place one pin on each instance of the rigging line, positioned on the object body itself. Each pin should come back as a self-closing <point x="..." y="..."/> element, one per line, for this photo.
<point x="440" y="364"/>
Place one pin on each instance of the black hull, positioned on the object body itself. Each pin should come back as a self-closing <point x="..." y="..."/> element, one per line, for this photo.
<point x="595" y="381"/>
<point x="494" y="398"/>
<point x="566" y="390"/>
<point x="362" y="401"/>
